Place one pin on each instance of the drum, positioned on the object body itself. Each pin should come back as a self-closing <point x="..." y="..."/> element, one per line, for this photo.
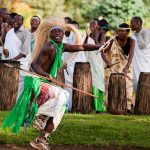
<point x="82" y="79"/>
<point x="142" y="102"/>
<point x="117" y="99"/>
<point x="9" y="78"/>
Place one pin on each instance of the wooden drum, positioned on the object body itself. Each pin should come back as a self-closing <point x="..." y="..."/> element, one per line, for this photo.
<point x="142" y="102"/>
<point x="9" y="78"/>
<point x="117" y="99"/>
<point x="82" y="79"/>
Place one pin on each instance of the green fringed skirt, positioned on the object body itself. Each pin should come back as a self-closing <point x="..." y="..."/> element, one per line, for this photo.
<point x="98" y="103"/>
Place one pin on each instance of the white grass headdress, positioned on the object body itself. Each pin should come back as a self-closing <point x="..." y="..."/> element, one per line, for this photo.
<point x="42" y="35"/>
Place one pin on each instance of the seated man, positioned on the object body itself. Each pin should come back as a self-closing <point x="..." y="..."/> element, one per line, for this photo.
<point x="39" y="96"/>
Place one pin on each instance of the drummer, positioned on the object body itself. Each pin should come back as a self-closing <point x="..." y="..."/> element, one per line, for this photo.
<point x="17" y="46"/>
<point x="118" y="57"/>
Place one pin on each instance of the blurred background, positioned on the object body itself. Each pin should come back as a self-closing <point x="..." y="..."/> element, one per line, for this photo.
<point x="115" y="11"/>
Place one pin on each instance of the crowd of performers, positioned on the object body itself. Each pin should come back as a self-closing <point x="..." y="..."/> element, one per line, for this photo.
<point x="57" y="43"/>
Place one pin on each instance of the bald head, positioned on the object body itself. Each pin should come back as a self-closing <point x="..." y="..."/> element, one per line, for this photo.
<point x="138" y="19"/>
<point x="4" y="11"/>
<point x="136" y="24"/>
<point x="4" y="14"/>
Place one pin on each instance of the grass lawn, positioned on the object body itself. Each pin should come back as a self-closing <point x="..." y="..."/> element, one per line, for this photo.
<point x="89" y="130"/>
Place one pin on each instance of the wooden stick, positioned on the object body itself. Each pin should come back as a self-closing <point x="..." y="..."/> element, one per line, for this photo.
<point x="112" y="65"/>
<point x="104" y="46"/>
<point x="51" y="79"/>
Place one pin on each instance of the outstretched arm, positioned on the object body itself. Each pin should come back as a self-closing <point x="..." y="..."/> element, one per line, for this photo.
<point x="77" y="48"/>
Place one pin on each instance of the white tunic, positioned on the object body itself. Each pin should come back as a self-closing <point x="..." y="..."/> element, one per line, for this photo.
<point x="97" y="67"/>
<point x="141" y="59"/>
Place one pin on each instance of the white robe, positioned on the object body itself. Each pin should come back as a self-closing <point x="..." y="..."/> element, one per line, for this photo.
<point x="141" y="61"/>
<point x="1" y="52"/>
<point x="97" y="67"/>
<point x="55" y="107"/>
<point x="13" y="44"/>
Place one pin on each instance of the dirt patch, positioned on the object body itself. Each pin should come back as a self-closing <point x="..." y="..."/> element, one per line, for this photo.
<point x="72" y="147"/>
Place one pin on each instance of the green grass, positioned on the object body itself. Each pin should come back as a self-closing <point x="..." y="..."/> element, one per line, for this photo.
<point x="90" y="130"/>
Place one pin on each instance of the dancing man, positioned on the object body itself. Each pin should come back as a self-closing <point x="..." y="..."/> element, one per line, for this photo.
<point x="40" y="97"/>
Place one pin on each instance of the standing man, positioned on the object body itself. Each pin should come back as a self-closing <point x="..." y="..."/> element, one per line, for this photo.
<point x="34" y="22"/>
<point x="141" y="59"/>
<point x="4" y="14"/>
<point x="17" y="46"/>
<point x="4" y="18"/>
<point x="51" y="99"/>
<point x="121" y="51"/>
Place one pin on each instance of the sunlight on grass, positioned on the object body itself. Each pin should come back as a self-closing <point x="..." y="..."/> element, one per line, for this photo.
<point x="90" y="130"/>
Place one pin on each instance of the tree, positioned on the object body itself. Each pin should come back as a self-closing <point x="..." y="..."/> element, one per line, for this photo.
<point x="147" y="2"/>
<point x="20" y="7"/>
<point x="119" y="11"/>
<point x="48" y="7"/>
<point x="80" y="9"/>
<point x="3" y="3"/>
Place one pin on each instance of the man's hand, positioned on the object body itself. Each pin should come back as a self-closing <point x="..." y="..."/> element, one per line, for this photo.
<point x="96" y="38"/>
<point x="65" y="65"/>
<point x="125" y="70"/>
<point x="109" y="64"/>
<point x="6" y="52"/>
<point x="49" y="76"/>
<point x="88" y="31"/>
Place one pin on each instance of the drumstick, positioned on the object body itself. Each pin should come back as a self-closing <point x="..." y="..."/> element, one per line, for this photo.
<point x="105" y="45"/>
<point x="112" y="65"/>
<point x="65" y="67"/>
<point x="66" y="71"/>
<point x="50" y="79"/>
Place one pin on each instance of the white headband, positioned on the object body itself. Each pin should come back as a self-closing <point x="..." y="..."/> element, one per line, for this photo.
<point x="124" y="28"/>
<point x="55" y="27"/>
